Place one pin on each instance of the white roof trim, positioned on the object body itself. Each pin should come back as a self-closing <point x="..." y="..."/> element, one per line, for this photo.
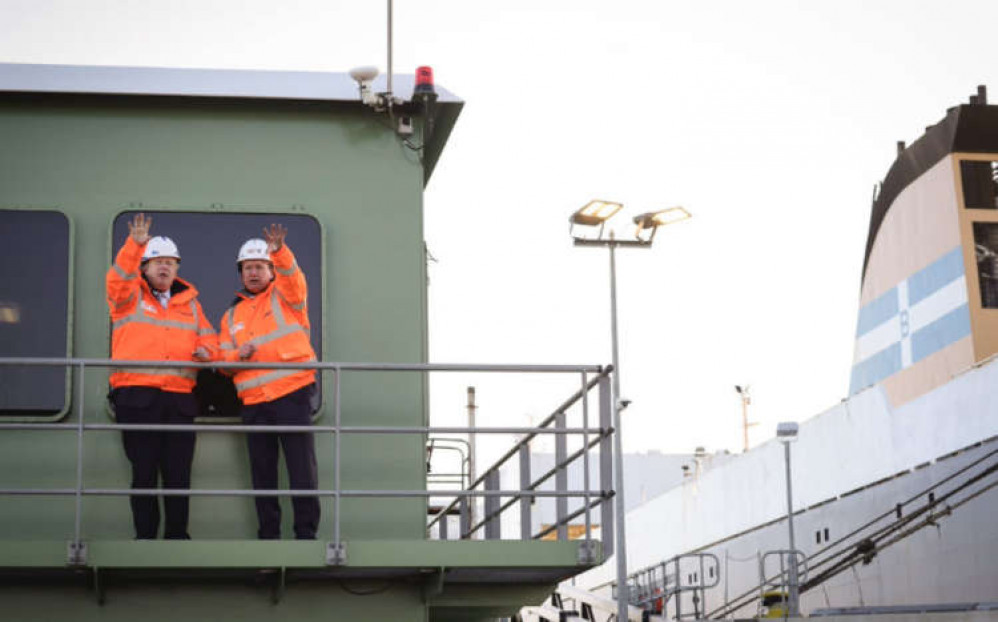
<point x="313" y="85"/>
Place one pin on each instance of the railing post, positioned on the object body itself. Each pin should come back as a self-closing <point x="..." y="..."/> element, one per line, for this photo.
<point x="336" y="555"/>
<point x="526" y="521"/>
<point x="703" y="590"/>
<point x="465" y="530"/>
<point x="762" y="575"/>
<point x="336" y="453"/>
<point x="679" y="590"/>
<point x="588" y="554"/>
<point x="492" y="503"/>
<point x="561" y="476"/>
<point x="77" y="554"/>
<point x="606" y="465"/>
<point x="664" y="569"/>
<point x="786" y="587"/>
<point x="443" y="525"/>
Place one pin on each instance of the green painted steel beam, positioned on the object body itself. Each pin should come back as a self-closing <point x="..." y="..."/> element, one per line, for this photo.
<point x="363" y="554"/>
<point x="463" y="553"/>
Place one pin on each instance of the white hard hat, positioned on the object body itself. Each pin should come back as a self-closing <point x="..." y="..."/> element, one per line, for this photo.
<point x="160" y="246"/>
<point x="253" y="249"/>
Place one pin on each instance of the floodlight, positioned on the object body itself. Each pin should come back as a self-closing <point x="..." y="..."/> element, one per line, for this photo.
<point x="787" y="431"/>
<point x="662" y="217"/>
<point x="595" y="213"/>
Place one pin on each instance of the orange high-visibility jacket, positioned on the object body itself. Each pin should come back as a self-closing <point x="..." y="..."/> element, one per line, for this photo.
<point x="276" y="321"/>
<point x="142" y="330"/>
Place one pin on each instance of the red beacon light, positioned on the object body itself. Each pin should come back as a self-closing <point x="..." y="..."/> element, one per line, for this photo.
<point x="424" y="81"/>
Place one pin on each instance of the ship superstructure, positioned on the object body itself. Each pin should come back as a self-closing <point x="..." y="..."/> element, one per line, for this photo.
<point x="895" y="488"/>
<point x="929" y="299"/>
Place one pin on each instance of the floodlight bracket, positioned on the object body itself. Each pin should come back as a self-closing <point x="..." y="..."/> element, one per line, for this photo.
<point x="605" y="243"/>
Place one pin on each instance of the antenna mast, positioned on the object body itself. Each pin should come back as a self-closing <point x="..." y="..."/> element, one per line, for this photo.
<point x="388" y="97"/>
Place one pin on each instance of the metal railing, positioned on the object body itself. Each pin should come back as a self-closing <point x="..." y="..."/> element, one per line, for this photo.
<point x="652" y="587"/>
<point x="554" y="423"/>
<point x="448" y="444"/>
<point x="486" y="486"/>
<point x="793" y="571"/>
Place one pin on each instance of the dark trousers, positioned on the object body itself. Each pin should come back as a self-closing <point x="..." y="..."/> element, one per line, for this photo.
<point x="158" y="455"/>
<point x="299" y="456"/>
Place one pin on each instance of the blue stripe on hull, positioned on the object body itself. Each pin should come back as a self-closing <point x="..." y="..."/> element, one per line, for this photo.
<point x="877" y="312"/>
<point x="933" y="277"/>
<point x="935" y="336"/>
<point x="948" y="329"/>
<point x="885" y="363"/>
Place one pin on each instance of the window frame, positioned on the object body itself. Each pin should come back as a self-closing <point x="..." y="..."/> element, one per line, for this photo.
<point x="975" y="227"/>
<point x="960" y="168"/>
<point x="218" y="209"/>
<point x="70" y="310"/>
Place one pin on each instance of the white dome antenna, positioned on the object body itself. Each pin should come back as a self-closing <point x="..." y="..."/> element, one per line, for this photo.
<point x="364" y="76"/>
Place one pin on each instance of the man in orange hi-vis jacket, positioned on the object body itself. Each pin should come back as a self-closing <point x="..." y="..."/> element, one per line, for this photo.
<point x="156" y="316"/>
<point x="269" y="322"/>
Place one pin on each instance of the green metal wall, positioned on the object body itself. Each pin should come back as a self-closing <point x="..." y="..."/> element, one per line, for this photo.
<point x="92" y="157"/>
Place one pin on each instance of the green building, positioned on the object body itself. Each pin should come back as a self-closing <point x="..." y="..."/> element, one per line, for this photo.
<point x="213" y="156"/>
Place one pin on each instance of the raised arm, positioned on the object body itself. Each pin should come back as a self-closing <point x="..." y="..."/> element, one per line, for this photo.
<point x="123" y="278"/>
<point x="288" y="277"/>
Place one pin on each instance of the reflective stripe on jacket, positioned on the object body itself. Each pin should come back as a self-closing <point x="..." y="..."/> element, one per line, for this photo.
<point x="142" y="330"/>
<point x="275" y="321"/>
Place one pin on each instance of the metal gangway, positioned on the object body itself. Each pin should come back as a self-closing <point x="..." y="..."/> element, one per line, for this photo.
<point x="654" y="588"/>
<point x="651" y="591"/>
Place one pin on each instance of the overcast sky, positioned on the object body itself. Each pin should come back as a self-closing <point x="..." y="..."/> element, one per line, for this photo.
<point x="770" y="121"/>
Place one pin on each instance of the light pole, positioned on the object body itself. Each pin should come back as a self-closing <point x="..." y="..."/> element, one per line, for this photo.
<point x="596" y="214"/>
<point x="786" y="433"/>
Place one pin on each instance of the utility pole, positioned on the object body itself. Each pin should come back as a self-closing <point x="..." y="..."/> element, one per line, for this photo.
<point x="746" y="400"/>
<point x="472" y="408"/>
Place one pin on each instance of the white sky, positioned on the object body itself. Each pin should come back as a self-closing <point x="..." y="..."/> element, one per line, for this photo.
<point x="770" y="121"/>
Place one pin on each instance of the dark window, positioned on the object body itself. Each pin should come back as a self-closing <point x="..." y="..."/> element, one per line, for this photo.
<point x="34" y="307"/>
<point x="208" y="245"/>
<point x="979" y="184"/>
<point x="986" y="250"/>
<point x="826" y="534"/>
<point x="817" y="537"/>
